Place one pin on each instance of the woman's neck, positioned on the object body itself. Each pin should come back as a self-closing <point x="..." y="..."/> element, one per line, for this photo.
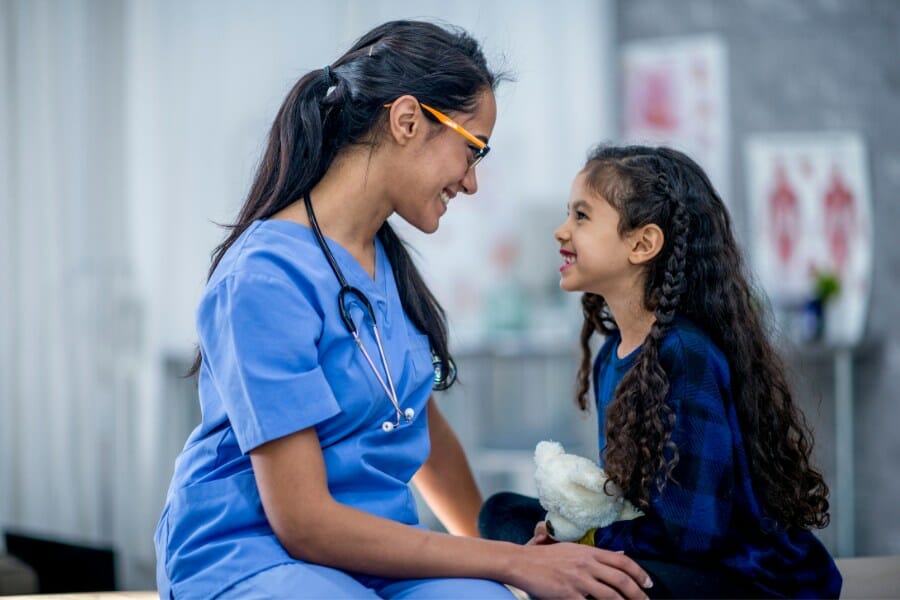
<point x="349" y="208"/>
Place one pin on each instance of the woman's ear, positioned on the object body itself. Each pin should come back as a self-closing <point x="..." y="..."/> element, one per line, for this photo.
<point x="645" y="243"/>
<point x="404" y="119"/>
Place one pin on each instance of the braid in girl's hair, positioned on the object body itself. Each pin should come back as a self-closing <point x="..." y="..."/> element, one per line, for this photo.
<point x="699" y="274"/>
<point x="638" y="444"/>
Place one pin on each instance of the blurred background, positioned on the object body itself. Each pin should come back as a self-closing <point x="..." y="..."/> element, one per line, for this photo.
<point x="130" y="128"/>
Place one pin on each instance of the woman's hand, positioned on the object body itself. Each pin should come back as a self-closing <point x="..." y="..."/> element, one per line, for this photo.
<point x="567" y="570"/>
<point x="541" y="536"/>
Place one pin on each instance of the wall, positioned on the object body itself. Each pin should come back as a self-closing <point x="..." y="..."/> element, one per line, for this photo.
<point x="807" y="66"/>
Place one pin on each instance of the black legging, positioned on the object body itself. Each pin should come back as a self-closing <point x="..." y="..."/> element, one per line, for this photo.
<point x="511" y="517"/>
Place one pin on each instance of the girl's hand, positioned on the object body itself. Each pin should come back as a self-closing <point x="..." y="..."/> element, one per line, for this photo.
<point x="540" y="536"/>
<point x="567" y="570"/>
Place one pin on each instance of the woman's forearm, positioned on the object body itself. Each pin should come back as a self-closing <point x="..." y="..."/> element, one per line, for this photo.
<point x="312" y="526"/>
<point x="446" y="481"/>
<point x="346" y="538"/>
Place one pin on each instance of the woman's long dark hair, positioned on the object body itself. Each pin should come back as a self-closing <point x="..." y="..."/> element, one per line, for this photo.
<point x="700" y="274"/>
<point x="331" y="109"/>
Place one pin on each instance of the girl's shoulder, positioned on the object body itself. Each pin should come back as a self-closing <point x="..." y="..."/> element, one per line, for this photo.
<point x="687" y="346"/>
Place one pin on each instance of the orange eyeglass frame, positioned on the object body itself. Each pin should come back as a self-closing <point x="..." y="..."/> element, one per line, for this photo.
<point x="480" y="145"/>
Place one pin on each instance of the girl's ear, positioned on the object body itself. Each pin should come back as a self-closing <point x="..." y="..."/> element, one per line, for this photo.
<point x="404" y="119"/>
<point x="645" y="243"/>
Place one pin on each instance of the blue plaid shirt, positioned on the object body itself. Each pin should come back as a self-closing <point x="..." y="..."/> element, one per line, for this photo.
<point x="711" y="516"/>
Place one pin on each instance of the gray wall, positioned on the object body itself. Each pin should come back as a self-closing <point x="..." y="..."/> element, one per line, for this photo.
<point x="817" y="65"/>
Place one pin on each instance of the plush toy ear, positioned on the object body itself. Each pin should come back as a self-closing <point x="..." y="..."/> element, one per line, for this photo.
<point x="588" y="475"/>
<point x="545" y="450"/>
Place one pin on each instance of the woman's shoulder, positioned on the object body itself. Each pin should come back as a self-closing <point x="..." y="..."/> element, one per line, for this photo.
<point x="272" y="263"/>
<point x="268" y="249"/>
<point x="268" y="270"/>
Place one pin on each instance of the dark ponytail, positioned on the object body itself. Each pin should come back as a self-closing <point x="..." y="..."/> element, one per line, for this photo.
<point x="700" y="274"/>
<point x="330" y="109"/>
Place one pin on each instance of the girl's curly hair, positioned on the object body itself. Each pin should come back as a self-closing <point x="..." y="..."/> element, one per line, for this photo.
<point x="700" y="274"/>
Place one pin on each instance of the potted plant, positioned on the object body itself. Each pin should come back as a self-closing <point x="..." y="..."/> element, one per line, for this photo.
<point x="826" y="286"/>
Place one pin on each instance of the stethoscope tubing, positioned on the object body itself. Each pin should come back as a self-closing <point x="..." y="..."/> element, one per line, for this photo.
<point x="348" y="290"/>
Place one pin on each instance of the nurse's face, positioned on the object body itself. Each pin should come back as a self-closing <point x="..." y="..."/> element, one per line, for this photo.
<point x="441" y="168"/>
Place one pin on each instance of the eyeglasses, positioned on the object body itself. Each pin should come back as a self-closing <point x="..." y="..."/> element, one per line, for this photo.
<point x="479" y="147"/>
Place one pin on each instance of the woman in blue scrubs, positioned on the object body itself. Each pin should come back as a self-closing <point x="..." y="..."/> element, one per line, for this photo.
<point x="320" y="346"/>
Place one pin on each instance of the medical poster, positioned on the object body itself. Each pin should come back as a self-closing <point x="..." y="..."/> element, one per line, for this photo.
<point x="811" y="222"/>
<point x="675" y="93"/>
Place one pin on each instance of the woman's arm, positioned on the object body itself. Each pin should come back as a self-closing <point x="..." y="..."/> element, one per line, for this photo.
<point x="446" y="481"/>
<point x="312" y="526"/>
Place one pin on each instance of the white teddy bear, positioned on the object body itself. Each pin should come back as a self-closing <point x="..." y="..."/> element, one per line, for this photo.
<point x="570" y="488"/>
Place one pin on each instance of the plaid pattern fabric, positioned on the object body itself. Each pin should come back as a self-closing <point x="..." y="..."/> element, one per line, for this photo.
<point x="709" y="516"/>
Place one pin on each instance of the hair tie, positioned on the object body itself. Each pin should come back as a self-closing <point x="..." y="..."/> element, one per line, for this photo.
<point x="328" y="75"/>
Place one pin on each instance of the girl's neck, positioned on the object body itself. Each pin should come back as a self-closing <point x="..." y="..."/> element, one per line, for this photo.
<point x="634" y="323"/>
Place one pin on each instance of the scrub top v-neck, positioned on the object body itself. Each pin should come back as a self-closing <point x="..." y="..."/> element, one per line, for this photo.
<point x="277" y="359"/>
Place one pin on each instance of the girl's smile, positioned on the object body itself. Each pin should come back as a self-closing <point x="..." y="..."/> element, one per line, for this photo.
<point x="568" y="259"/>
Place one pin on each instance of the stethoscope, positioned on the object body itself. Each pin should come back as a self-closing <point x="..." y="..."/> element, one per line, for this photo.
<point x="347" y="291"/>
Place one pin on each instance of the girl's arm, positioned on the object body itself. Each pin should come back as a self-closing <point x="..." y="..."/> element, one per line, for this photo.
<point x="692" y="516"/>
<point x="446" y="481"/>
<point x="312" y="526"/>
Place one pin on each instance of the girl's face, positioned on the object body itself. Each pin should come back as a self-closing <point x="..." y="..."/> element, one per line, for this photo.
<point x="438" y="168"/>
<point x="595" y="257"/>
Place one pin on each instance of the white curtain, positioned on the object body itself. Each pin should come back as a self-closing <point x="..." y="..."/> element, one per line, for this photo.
<point x="128" y="128"/>
<point x="66" y="306"/>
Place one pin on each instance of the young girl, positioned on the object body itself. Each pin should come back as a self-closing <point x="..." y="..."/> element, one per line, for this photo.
<point x="319" y="341"/>
<point x="697" y="425"/>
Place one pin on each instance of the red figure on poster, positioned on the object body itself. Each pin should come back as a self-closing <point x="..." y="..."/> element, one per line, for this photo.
<point x="784" y="213"/>
<point x="840" y="219"/>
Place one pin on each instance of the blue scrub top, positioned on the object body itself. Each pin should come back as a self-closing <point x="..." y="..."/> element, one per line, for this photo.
<point x="277" y="359"/>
